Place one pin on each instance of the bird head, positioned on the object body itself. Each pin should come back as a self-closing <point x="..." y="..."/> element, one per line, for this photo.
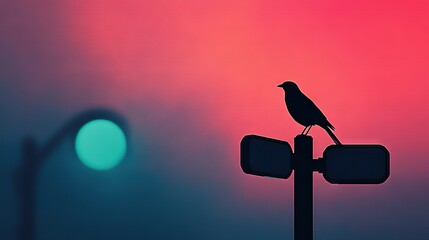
<point x="289" y="86"/>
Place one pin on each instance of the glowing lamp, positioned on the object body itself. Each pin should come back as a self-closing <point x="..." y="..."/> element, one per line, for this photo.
<point x="100" y="144"/>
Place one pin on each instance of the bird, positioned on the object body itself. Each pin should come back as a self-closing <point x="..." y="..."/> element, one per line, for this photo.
<point x="304" y="111"/>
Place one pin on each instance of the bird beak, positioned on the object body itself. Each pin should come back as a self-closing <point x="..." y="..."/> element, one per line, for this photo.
<point x="280" y="85"/>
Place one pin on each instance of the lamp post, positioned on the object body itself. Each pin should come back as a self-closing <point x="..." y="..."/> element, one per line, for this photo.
<point x="341" y="164"/>
<point x="34" y="156"/>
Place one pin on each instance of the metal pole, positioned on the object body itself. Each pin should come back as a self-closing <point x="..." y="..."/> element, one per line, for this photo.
<point x="26" y="190"/>
<point x="303" y="188"/>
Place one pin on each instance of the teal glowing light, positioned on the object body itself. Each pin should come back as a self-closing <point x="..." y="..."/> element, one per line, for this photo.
<point x="100" y="144"/>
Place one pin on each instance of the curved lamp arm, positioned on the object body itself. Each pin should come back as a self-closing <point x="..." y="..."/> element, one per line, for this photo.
<point x="34" y="157"/>
<point x="73" y="126"/>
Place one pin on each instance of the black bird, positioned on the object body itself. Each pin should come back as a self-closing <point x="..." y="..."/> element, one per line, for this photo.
<point x="304" y="111"/>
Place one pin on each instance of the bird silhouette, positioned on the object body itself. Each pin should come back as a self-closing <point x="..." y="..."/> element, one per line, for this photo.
<point x="304" y="111"/>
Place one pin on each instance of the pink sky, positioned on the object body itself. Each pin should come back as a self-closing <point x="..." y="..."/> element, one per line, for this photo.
<point x="364" y="64"/>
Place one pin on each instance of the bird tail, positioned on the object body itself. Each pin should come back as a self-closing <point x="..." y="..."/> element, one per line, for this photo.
<point x="331" y="134"/>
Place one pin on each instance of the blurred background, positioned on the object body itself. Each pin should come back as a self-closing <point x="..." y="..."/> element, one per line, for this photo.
<point x="191" y="79"/>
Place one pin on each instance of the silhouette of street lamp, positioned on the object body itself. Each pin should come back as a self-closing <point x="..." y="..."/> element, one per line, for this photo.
<point x="100" y="143"/>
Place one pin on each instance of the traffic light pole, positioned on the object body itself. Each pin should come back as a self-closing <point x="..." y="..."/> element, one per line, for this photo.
<point x="303" y="187"/>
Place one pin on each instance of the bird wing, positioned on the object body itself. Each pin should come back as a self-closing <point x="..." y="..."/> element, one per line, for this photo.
<point x="317" y="115"/>
<point x="313" y="112"/>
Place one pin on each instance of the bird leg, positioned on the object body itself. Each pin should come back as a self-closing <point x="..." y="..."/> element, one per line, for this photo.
<point x="304" y="130"/>
<point x="308" y="130"/>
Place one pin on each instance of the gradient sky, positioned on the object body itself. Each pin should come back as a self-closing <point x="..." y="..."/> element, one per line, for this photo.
<point x="192" y="78"/>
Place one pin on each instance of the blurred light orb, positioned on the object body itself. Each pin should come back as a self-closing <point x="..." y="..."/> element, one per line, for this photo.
<point x="100" y="144"/>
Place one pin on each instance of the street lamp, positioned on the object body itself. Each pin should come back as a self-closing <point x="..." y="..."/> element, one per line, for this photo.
<point x="100" y="143"/>
<point x="340" y="164"/>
